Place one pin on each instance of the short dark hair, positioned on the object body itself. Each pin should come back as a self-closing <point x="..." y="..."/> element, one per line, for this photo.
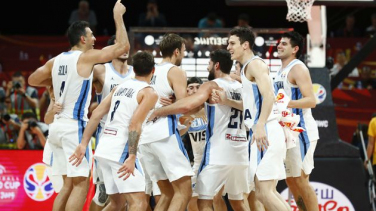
<point x="111" y="41"/>
<point x="28" y="115"/>
<point x="17" y="74"/>
<point x="224" y="58"/>
<point x="212" y="16"/>
<point x="245" y="34"/>
<point x="169" y="43"/>
<point x="143" y="63"/>
<point x="194" y="80"/>
<point x="75" y="31"/>
<point x="296" y="40"/>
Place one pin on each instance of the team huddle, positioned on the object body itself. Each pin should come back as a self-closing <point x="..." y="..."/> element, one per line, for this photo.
<point x="242" y="142"/>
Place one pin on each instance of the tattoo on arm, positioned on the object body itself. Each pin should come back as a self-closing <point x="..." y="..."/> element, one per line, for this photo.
<point x="301" y="204"/>
<point x="133" y="139"/>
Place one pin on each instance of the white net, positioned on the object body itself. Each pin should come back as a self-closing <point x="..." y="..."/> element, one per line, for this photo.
<point x="299" y="10"/>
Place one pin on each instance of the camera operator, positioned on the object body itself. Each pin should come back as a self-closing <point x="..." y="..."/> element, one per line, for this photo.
<point x="22" y="98"/>
<point x="9" y="124"/>
<point x="32" y="134"/>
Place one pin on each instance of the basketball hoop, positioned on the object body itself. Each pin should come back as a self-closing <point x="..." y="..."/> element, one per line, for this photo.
<point x="299" y="10"/>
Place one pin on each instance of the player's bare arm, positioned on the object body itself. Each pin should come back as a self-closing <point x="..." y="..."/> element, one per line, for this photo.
<point x="42" y="76"/>
<point x="147" y="99"/>
<point x="259" y="71"/>
<point x="219" y="96"/>
<point x="94" y="56"/>
<point x="92" y="125"/>
<point x="99" y="72"/>
<point x="178" y="82"/>
<point x="189" y="103"/>
<point x="300" y="76"/>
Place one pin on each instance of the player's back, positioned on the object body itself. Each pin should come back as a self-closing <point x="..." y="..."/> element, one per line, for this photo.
<point x="123" y="105"/>
<point x="111" y="80"/>
<point x="164" y="126"/>
<point x="226" y="141"/>
<point x="252" y="98"/>
<point x="65" y="78"/>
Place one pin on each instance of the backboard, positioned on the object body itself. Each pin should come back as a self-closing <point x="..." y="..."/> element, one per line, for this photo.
<point x="317" y="2"/>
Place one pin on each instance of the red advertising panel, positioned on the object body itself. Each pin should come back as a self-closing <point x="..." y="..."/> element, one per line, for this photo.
<point x="24" y="184"/>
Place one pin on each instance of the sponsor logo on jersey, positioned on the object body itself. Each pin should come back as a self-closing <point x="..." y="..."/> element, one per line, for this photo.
<point x="37" y="185"/>
<point x="236" y="138"/>
<point x="320" y="93"/>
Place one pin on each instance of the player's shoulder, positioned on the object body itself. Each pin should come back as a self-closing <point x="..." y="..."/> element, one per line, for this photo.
<point x="149" y="91"/>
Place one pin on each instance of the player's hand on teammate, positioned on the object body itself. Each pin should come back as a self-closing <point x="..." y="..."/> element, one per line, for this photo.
<point x="219" y="96"/>
<point x="127" y="168"/>
<point x="78" y="155"/>
<point x="57" y="108"/>
<point x="167" y="101"/>
<point x="119" y="8"/>
<point x="259" y="135"/>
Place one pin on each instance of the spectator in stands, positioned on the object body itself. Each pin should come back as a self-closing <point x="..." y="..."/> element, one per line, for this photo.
<point x="22" y="98"/>
<point x="349" y="30"/>
<point x="84" y="13"/>
<point x="32" y="134"/>
<point x="152" y="17"/>
<point x="9" y="127"/>
<point x="371" y="152"/>
<point x="243" y="20"/>
<point x="371" y="30"/>
<point x="366" y="80"/>
<point x="3" y="107"/>
<point x="210" y="21"/>
<point x="341" y="61"/>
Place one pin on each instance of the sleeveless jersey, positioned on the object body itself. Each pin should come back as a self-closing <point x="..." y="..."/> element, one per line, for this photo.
<point x="164" y="126"/>
<point x="114" y="140"/>
<point x="112" y="79"/>
<point x="307" y="121"/>
<point x="197" y="136"/>
<point x="226" y="141"/>
<point x="78" y="96"/>
<point x="252" y="99"/>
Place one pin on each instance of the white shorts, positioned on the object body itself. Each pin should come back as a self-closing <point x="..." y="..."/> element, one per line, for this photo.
<point x="269" y="164"/>
<point x="114" y="184"/>
<point x="64" y="137"/>
<point x="195" y="167"/>
<point x="56" y="180"/>
<point x="165" y="159"/>
<point x="151" y="188"/>
<point x="295" y="162"/>
<point x="212" y="178"/>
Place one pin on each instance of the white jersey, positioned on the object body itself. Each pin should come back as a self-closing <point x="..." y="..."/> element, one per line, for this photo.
<point x="307" y="121"/>
<point x="252" y="99"/>
<point x="78" y="96"/>
<point x="197" y="136"/>
<point x="226" y="141"/>
<point x="164" y="126"/>
<point x="114" y="141"/>
<point x="112" y="79"/>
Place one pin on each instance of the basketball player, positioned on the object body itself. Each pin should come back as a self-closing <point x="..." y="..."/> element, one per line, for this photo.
<point x="127" y="107"/>
<point x="225" y="161"/>
<point x="71" y="72"/>
<point x="266" y="161"/>
<point x="295" y="80"/>
<point x="197" y="135"/>
<point x="105" y="78"/>
<point x="162" y="152"/>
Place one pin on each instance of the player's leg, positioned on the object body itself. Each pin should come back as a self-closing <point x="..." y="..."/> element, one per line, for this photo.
<point x="62" y="198"/>
<point x="254" y="204"/>
<point x="237" y="183"/>
<point x="167" y="193"/>
<point x="136" y="201"/>
<point x="219" y="203"/>
<point x="265" y="194"/>
<point x="117" y="202"/>
<point x="99" y="200"/>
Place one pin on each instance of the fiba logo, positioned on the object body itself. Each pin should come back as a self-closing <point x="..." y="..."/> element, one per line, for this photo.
<point x="320" y="93"/>
<point x="329" y="198"/>
<point x="37" y="185"/>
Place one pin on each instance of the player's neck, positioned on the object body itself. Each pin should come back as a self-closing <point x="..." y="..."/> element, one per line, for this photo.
<point x="247" y="56"/>
<point x="120" y="66"/>
<point x="143" y="78"/>
<point x="287" y="61"/>
<point x="171" y="60"/>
